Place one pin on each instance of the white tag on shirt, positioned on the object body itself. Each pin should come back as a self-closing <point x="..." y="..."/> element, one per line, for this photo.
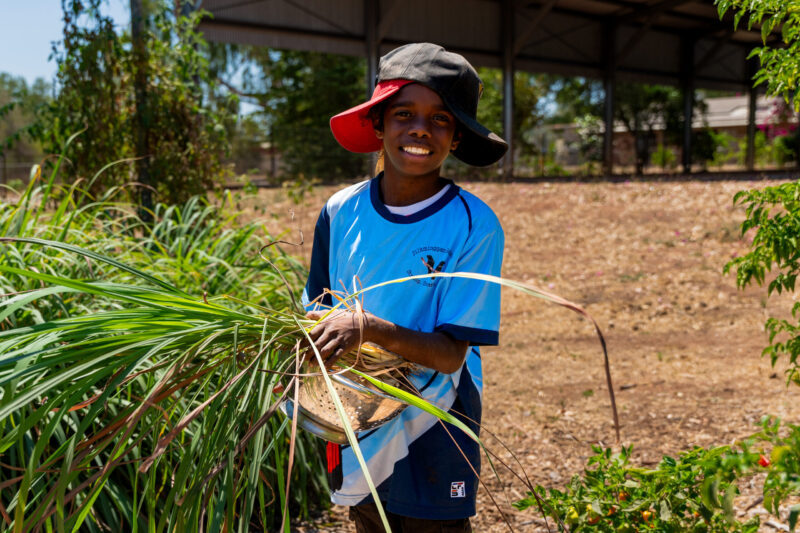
<point x="458" y="490"/>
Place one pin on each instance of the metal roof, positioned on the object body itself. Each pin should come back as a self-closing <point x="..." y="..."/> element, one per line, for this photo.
<point x="655" y="41"/>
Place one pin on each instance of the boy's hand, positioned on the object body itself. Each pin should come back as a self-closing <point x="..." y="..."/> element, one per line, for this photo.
<point x="341" y="332"/>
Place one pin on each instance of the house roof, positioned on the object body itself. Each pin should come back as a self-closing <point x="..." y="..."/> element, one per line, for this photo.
<point x="727" y="112"/>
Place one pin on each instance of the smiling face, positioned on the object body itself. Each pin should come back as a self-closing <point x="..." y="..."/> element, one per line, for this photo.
<point x="418" y="134"/>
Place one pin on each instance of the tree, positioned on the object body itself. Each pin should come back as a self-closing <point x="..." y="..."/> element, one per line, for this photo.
<point x="529" y="92"/>
<point x="574" y="98"/>
<point x="779" y="62"/>
<point x="19" y="105"/>
<point x="644" y="108"/>
<point x="182" y="125"/>
<point x="773" y="216"/>
<point x="297" y="92"/>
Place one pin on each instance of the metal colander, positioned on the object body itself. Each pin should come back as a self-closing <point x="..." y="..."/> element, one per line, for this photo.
<point x="366" y="406"/>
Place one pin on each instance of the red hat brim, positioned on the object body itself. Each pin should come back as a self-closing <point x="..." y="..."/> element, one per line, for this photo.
<point x="353" y="129"/>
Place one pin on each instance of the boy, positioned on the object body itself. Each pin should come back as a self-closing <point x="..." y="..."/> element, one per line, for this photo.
<point x="409" y="221"/>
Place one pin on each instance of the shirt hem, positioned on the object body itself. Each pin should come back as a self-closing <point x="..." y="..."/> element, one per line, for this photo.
<point x="414" y="510"/>
<point x="475" y="336"/>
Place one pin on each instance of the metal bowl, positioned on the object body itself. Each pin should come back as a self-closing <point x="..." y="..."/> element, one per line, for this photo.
<point x="366" y="406"/>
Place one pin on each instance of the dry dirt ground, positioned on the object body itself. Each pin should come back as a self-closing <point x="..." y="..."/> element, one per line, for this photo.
<point x="645" y="259"/>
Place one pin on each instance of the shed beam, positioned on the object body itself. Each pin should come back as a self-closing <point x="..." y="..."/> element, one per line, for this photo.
<point x="708" y="25"/>
<point x="714" y="50"/>
<point x="387" y="18"/>
<point x="633" y="41"/>
<point x="649" y="10"/>
<point x="532" y="26"/>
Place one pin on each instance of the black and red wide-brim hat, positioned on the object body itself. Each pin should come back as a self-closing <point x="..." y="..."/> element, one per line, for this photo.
<point x="450" y="75"/>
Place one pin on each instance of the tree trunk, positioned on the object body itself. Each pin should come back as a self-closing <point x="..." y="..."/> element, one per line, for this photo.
<point x="142" y="116"/>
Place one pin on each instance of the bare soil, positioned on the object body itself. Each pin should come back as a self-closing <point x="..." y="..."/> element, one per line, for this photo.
<point x="645" y="259"/>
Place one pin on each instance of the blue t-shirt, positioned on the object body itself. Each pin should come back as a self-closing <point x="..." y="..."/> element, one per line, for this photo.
<point x="413" y="459"/>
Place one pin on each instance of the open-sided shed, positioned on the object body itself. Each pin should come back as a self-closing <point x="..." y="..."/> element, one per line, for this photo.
<point x="678" y="42"/>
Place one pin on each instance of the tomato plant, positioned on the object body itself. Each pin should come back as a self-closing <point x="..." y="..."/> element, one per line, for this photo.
<point x="691" y="493"/>
<point x="782" y="465"/>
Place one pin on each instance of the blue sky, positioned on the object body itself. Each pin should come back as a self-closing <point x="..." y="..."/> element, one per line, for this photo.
<point x="27" y="30"/>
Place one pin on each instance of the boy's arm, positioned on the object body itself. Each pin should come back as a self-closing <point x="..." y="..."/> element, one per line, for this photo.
<point x="341" y="333"/>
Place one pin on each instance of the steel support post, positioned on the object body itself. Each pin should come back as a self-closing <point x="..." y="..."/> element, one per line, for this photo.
<point x="371" y="20"/>
<point x="507" y="46"/>
<point x="687" y="85"/>
<point x="371" y="42"/>
<point x="609" y="86"/>
<point x="752" y="94"/>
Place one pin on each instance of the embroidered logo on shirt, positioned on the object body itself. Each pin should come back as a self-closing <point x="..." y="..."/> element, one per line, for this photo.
<point x="429" y="263"/>
<point x="433" y="259"/>
<point x="458" y="490"/>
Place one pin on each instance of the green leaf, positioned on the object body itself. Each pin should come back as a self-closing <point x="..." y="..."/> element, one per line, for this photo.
<point x="709" y="492"/>
<point x="794" y="513"/>
<point x="665" y="513"/>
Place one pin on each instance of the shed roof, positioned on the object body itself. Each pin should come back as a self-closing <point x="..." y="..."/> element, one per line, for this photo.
<point x="643" y="40"/>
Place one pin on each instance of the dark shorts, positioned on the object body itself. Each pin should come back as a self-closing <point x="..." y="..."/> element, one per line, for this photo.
<point x="368" y="520"/>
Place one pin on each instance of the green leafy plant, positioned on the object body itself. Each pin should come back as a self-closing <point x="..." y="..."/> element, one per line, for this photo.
<point x="781" y="460"/>
<point x="83" y="404"/>
<point x="779" y="62"/>
<point x="774" y="450"/>
<point x="693" y="492"/>
<point x="773" y="214"/>
<point x="664" y="158"/>
<point x="180" y="126"/>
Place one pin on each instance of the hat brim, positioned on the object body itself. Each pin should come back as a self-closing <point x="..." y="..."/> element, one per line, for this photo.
<point x="354" y="130"/>
<point x="479" y="146"/>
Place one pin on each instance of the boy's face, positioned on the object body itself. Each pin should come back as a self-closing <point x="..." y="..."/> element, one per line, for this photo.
<point x="418" y="133"/>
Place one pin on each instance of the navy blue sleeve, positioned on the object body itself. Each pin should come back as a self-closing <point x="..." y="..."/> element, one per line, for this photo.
<point x="318" y="273"/>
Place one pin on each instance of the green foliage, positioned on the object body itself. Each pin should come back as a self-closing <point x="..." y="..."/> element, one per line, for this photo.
<point x="665" y="158"/>
<point x="184" y="138"/>
<point x="100" y="358"/>
<point x="575" y="97"/>
<point x="92" y="97"/>
<point x="297" y="93"/>
<point x="783" y="466"/>
<point x="710" y="146"/>
<point x="787" y="147"/>
<point x="642" y="109"/>
<point x="773" y="213"/>
<point x="779" y="62"/>
<point x="19" y="104"/>
<point x="309" y="88"/>
<point x="529" y="91"/>
<point x="691" y="493"/>
<point x="590" y="129"/>
<point x="776" y="451"/>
